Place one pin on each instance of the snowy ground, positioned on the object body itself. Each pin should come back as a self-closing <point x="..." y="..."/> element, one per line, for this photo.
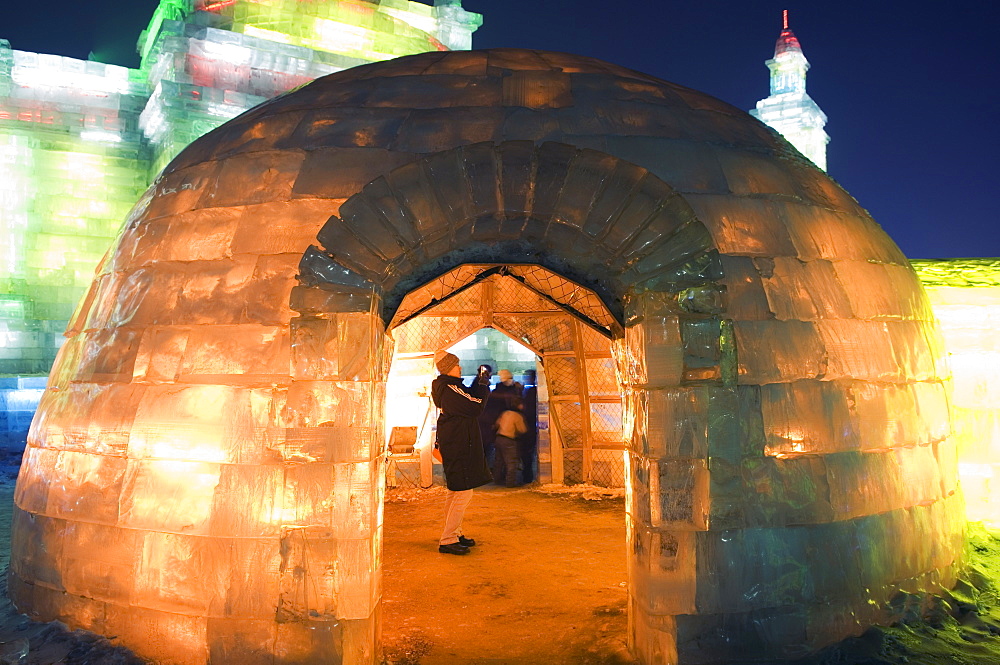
<point x="545" y="584"/>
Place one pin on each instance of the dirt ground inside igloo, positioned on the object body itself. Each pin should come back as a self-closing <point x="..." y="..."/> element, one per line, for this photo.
<point x="546" y="586"/>
<point x="545" y="582"/>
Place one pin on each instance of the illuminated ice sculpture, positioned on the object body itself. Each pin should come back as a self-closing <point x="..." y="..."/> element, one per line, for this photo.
<point x="80" y="140"/>
<point x="204" y="478"/>
<point x="789" y="109"/>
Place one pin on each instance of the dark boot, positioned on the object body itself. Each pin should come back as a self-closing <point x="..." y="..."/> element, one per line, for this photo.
<point x="453" y="548"/>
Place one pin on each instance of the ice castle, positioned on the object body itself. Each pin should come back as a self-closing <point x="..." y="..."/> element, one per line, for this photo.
<point x="81" y="140"/>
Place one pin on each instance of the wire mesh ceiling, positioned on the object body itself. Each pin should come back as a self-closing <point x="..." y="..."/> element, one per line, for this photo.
<point x="567" y="295"/>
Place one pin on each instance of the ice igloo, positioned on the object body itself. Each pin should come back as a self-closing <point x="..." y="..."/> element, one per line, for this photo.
<point x="205" y="473"/>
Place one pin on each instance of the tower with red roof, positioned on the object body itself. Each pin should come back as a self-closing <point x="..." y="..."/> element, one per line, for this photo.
<point x="789" y="110"/>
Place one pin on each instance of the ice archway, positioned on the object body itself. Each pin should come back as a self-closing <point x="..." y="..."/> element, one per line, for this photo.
<point x="204" y="476"/>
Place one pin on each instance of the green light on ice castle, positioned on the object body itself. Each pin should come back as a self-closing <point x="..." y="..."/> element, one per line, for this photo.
<point x="81" y="140"/>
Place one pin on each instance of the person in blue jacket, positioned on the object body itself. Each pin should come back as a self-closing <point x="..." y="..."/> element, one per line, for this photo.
<point x="460" y="445"/>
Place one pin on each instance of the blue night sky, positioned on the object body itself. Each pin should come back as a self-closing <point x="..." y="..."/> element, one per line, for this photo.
<point x="910" y="88"/>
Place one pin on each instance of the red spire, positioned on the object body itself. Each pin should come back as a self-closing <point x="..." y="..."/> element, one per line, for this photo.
<point x="787" y="41"/>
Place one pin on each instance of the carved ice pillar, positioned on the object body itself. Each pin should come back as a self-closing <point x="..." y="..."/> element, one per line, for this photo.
<point x="334" y="413"/>
<point x="683" y="419"/>
<point x="665" y="428"/>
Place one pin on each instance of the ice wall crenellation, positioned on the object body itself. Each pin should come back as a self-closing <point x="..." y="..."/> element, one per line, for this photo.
<point x="205" y="473"/>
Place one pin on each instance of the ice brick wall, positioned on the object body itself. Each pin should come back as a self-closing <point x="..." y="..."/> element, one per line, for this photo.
<point x="819" y="461"/>
<point x="212" y="419"/>
<point x="178" y="488"/>
<point x="71" y="166"/>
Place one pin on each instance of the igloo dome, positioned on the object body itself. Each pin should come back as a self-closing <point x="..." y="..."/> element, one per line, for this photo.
<point x="214" y="424"/>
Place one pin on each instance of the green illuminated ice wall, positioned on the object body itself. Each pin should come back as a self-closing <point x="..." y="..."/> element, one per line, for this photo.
<point x="71" y="165"/>
<point x="81" y="140"/>
<point x="965" y="296"/>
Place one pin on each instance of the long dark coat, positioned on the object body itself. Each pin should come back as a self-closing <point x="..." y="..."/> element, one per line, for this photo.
<point x="458" y="432"/>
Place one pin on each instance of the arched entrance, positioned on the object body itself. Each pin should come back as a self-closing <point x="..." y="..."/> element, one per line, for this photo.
<point x="615" y="287"/>
<point x="582" y="443"/>
<point x="571" y="336"/>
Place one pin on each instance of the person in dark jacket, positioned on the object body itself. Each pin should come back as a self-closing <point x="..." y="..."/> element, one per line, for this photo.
<point x="510" y="429"/>
<point x="492" y="408"/>
<point x="501" y="399"/>
<point x="460" y="445"/>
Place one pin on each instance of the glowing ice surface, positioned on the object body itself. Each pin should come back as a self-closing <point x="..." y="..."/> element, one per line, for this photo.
<point x="965" y="295"/>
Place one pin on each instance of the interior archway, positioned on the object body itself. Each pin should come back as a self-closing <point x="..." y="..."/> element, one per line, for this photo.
<point x="565" y="324"/>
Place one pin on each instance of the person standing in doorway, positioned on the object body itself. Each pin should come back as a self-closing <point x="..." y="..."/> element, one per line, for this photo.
<point x="492" y="409"/>
<point x="507" y="389"/>
<point x="510" y="428"/>
<point x="500" y="400"/>
<point x="460" y="445"/>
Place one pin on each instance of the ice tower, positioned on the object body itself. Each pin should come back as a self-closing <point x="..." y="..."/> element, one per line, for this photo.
<point x="80" y="140"/>
<point x="789" y="110"/>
